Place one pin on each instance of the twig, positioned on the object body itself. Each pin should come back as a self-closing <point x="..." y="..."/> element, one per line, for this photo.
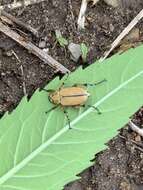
<point x="20" y="23"/>
<point x="81" y="17"/>
<point x="22" y="73"/>
<point x="135" y="128"/>
<point x="138" y="148"/>
<point x="137" y="145"/>
<point x="72" y="15"/>
<point x="33" y="49"/>
<point x="19" y="4"/>
<point x="124" y="33"/>
<point x="23" y="82"/>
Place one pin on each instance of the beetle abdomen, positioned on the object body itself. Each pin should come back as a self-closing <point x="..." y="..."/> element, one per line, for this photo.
<point x="73" y="96"/>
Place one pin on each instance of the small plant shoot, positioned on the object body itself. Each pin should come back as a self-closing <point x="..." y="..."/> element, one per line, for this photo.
<point x="84" y="51"/>
<point x="61" y="40"/>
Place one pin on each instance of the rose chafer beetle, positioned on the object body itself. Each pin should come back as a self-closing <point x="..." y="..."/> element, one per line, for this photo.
<point x="72" y="96"/>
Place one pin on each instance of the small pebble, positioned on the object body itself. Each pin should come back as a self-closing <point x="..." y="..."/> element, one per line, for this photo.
<point x="46" y="50"/>
<point x="42" y="44"/>
<point x="113" y="3"/>
<point x="138" y="138"/>
<point x="75" y="51"/>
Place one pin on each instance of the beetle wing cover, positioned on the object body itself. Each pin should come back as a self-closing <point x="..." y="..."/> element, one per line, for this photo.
<point x="73" y="96"/>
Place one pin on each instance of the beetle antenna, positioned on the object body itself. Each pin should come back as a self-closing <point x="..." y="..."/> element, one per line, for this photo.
<point x="90" y="84"/>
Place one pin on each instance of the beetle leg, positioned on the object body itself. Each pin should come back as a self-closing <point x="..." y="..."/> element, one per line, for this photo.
<point x="97" y="109"/>
<point x="52" y="109"/>
<point x="48" y="90"/>
<point x="63" y="83"/>
<point x="79" y="85"/>
<point x="90" y="84"/>
<point x="68" y="119"/>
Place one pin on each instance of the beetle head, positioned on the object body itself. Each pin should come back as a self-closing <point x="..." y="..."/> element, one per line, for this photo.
<point x="54" y="97"/>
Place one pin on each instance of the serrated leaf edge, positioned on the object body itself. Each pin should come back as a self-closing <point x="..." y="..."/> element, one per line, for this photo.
<point x="10" y="173"/>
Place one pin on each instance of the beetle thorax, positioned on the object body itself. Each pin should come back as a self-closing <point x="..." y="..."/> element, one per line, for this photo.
<point x="55" y="97"/>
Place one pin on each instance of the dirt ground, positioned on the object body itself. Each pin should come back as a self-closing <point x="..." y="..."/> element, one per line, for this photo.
<point x="120" y="167"/>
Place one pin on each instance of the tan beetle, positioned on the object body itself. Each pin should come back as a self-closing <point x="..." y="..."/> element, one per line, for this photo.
<point x="69" y="96"/>
<point x="74" y="96"/>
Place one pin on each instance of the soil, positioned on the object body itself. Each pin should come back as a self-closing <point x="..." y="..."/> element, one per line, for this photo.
<point x="120" y="167"/>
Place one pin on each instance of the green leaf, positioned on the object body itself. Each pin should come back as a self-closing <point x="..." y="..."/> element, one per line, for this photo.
<point x="38" y="151"/>
<point x="84" y="51"/>
<point x="61" y="40"/>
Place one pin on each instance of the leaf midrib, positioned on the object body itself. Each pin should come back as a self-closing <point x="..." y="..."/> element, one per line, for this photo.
<point x="19" y="166"/>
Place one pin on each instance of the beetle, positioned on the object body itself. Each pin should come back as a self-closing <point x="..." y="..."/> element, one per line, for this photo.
<point x="74" y="96"/>
<point x="69" y="96"/>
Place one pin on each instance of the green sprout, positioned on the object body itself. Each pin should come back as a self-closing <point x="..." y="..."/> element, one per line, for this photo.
<point x="60" y="39"/>
<point x="84" y="51"/>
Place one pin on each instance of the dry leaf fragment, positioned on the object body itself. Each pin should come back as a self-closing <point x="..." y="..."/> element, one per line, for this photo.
<point x="130" y="41"/>
<point x="6" y="20"/>
<point x="113" y="3"/>
<point x="94" y="1"/>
